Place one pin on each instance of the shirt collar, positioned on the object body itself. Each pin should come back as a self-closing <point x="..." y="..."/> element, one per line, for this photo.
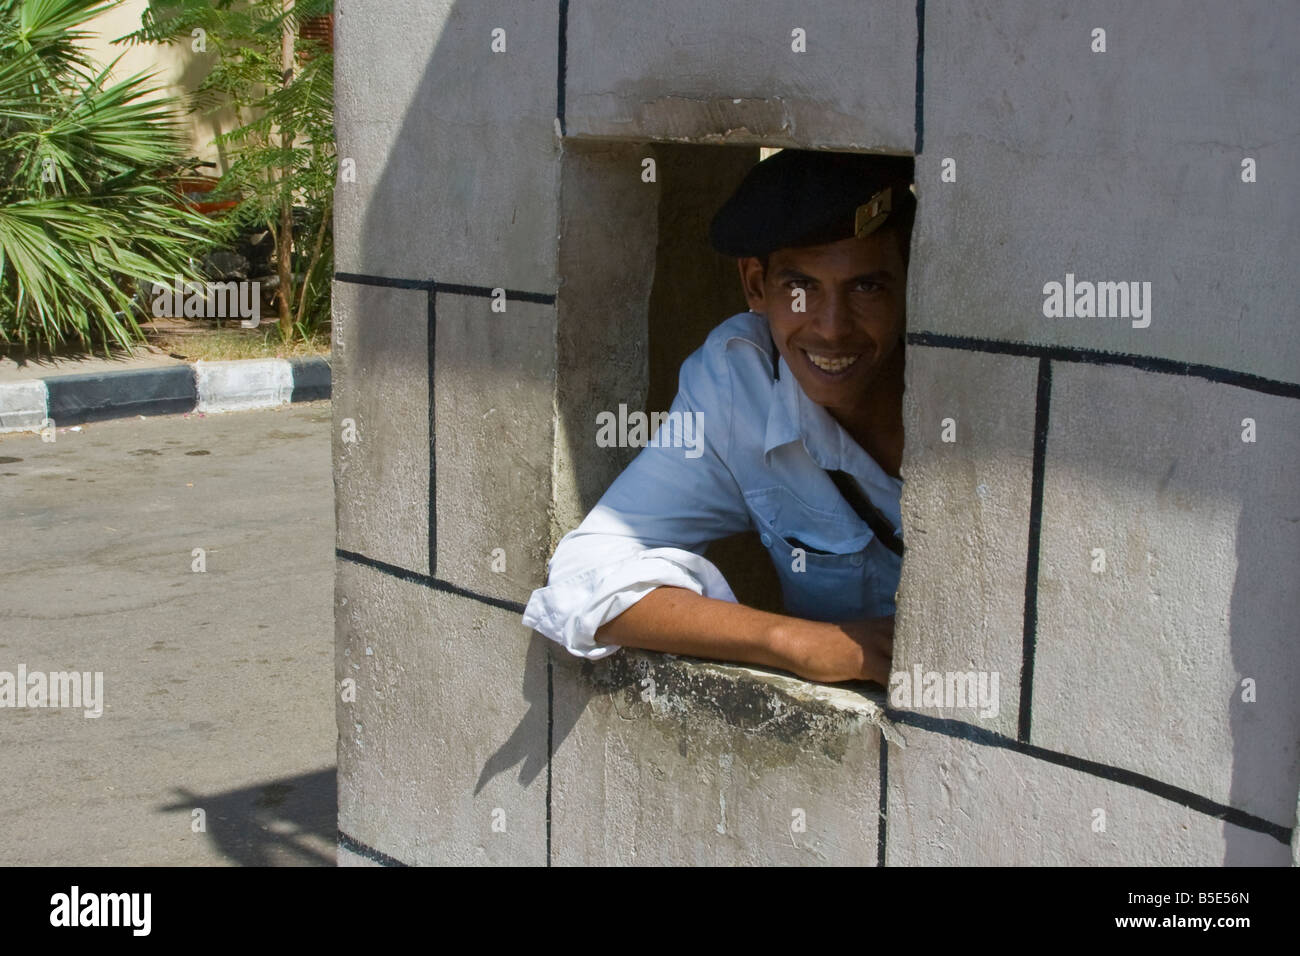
<point x="793" y="416"/>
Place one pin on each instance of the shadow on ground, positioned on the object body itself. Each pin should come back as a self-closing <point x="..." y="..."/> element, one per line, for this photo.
<point x="288" y="822"/>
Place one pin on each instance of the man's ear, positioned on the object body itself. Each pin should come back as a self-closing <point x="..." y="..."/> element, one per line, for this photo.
<point x="752" y="282"/>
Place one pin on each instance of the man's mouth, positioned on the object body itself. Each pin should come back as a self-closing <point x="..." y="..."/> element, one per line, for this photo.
<point x="831" y="363"/>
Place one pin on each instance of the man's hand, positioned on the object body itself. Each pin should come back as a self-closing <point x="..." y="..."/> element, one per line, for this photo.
<point x="851" y="650"/>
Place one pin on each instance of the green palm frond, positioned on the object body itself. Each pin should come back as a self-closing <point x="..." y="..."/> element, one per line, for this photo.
<point x="89" y="208"/>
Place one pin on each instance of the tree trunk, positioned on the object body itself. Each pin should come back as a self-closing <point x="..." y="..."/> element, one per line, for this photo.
<point x="326" y="215"/>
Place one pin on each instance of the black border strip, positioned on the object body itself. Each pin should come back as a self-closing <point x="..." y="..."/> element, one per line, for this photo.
<point x="437" y="584"/>
<point x="99" y="396"/>
<point x="1146" y="363"/>
<point x="1029" y="646"/>
<point x="562" y="67"/>
<point x="920" y="76"/>
<point x="370" y="853"/>
<point x="311" y="379"/>
<point x="882" y="820"/>
<point x="1193" y="801"/>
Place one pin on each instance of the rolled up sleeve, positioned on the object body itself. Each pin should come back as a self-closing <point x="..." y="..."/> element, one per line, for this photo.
<point x="651" y="526"/>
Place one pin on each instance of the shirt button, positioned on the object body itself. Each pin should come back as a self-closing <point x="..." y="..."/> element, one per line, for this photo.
<point x="766" y="539"/>
<point x="856" y="560"/>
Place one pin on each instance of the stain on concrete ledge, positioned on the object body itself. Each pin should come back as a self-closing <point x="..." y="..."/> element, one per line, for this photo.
<point x="673" y="692"/>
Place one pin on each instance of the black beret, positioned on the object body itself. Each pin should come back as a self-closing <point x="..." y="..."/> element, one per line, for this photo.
<point x="804" y="197"/>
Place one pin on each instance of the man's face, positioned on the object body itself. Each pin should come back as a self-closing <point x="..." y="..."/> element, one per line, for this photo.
<point x="854" y="297"/>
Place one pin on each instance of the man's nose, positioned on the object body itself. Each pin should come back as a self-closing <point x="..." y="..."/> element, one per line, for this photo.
<point x="833" y="319"/>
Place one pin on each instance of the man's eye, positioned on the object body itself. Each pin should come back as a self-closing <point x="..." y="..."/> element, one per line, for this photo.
<point x="869" y="286"/>
<point x="796" y="283"/>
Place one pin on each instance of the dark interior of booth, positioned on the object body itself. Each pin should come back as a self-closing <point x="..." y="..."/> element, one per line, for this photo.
<point x="694" y="290"/>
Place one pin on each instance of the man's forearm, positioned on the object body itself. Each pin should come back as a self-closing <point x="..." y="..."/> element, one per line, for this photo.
<point x="677" y="621"/>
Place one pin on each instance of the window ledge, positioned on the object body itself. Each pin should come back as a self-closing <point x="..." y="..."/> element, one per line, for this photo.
<point x="751" y="699"/>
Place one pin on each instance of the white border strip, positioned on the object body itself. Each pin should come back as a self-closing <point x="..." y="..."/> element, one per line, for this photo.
<point x="23" y="405"/>
<point x="247" y="383"/>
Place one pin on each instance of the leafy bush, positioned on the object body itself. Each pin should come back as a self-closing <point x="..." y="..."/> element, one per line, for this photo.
<point x="88" y="202"/>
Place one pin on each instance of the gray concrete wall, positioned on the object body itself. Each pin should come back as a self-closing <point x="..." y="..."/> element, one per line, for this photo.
<point x="1124" y="733"/>
<point x="1122" y="165"/>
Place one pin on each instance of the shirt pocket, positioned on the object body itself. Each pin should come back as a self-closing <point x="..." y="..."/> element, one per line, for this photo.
<point x="834" y="578"/>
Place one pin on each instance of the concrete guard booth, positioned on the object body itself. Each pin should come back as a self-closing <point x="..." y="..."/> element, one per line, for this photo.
<point x="1101" y="509"/>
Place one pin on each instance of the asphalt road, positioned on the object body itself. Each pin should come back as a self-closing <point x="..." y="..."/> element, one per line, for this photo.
<point x="217" y="685"/>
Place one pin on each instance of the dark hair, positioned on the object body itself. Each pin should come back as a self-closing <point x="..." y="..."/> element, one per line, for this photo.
<point x="899" y="223"/>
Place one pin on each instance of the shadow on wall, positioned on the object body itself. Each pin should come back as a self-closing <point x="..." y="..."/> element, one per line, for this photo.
<point x="289" y="822"/>
<point x="1264" y="611"/>
<point x="521" y="747"/>
<point x="474" y="200"/>
<point x="465" y="194"/>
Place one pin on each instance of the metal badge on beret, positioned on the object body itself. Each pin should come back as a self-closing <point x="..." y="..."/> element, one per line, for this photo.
<point x="868" y="217"/>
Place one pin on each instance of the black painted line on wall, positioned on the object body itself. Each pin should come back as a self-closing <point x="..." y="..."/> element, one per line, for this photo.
<point x="370" y="853"/>
<point x="452" y="288"/>
<point x="920" y="76"/>
<point x="392" y="570"/>
<point x="1193" y="801"/>
<point x="550" y="746"/>
<point x="1146" y="363"/>
<point x="882" y="821"/>
<point x="437" y="584"/>
<point x="431" y="341"/>
<point x="1029" y="646"/>
<point x="357" y="278"/>
<point x="545" y="298"/>
<point x="562" y="68"/>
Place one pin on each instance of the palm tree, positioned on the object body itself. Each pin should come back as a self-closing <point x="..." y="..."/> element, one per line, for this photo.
<point x="89" y="207"/>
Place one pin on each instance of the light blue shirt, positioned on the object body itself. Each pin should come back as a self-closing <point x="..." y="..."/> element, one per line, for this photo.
<point x="762" y="465"/>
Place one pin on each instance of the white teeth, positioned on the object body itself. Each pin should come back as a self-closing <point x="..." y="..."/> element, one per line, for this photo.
<point x="828" y="363"/>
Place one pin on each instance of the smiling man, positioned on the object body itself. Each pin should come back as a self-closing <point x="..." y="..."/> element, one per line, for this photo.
<point x="801" y="404"/>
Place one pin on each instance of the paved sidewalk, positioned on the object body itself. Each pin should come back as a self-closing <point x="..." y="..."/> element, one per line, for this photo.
<point x="218" y="686"/>
<point x="32" y="369"/>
